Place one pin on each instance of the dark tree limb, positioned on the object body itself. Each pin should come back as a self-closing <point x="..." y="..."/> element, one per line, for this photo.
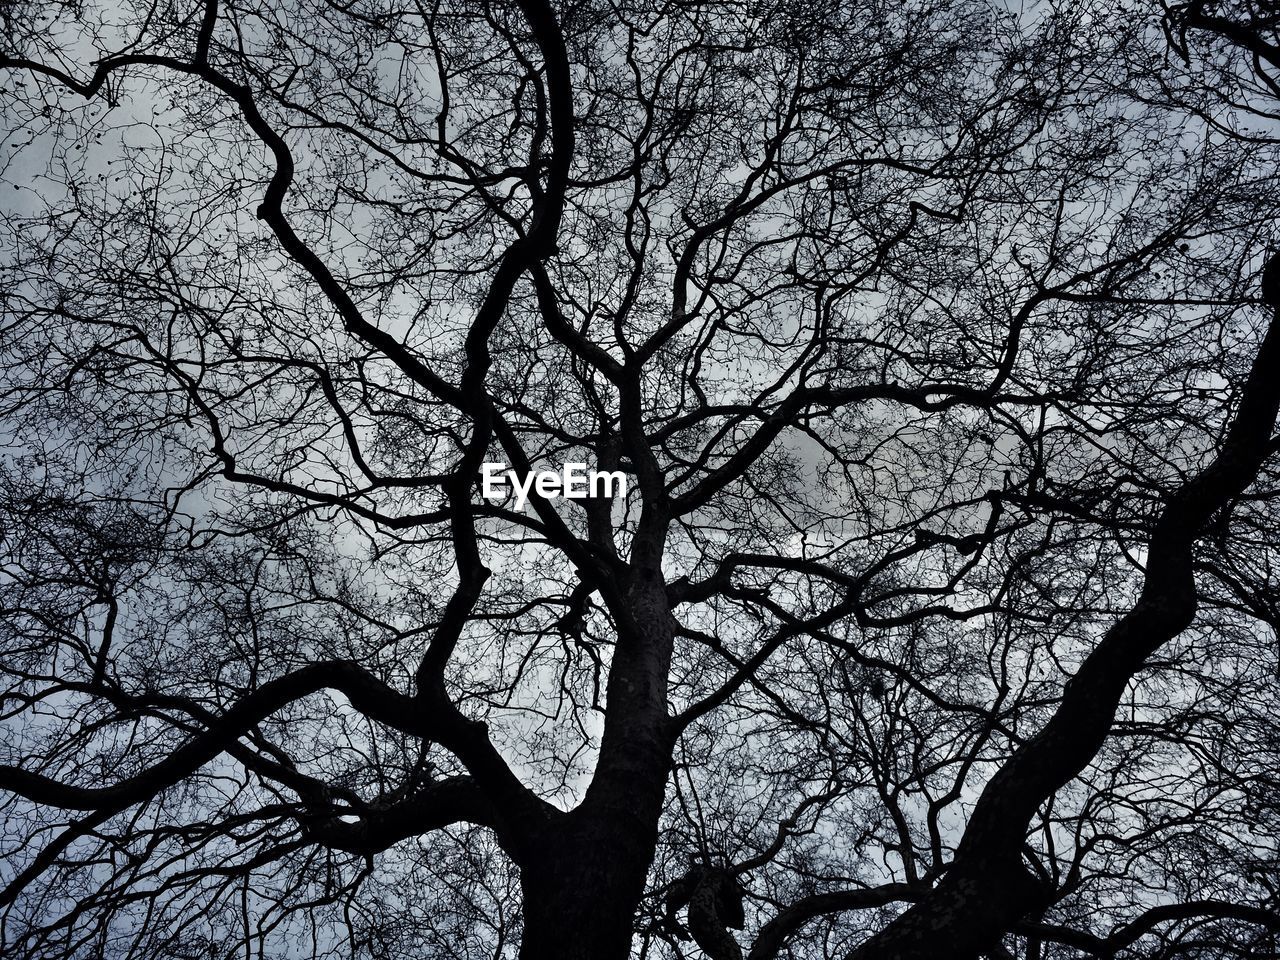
<point x="987" y="890"/>
<point x="367" y="694"/>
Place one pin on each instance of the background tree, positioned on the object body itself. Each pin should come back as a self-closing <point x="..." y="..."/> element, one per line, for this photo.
<point x="938" y="617"/>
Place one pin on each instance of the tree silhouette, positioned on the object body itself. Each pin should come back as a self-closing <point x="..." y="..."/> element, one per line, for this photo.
<point x="933" y="340"/>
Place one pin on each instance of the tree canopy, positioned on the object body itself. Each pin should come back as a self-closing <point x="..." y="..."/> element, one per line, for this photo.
<point x="936" y="342"/>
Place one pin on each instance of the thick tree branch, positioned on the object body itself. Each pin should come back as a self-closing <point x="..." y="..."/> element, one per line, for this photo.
<point x="987" y="889"/>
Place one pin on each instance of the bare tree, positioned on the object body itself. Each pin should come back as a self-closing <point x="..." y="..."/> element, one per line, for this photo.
<point x="935" y="615"/>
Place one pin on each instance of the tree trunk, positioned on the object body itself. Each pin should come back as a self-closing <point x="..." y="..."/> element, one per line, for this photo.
<point x="581" y="892"/>
<point x="583" y="880"/>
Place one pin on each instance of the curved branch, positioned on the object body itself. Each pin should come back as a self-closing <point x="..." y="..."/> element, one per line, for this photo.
<point x="367" y="694"/>
<point x="1144" y="923"/>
